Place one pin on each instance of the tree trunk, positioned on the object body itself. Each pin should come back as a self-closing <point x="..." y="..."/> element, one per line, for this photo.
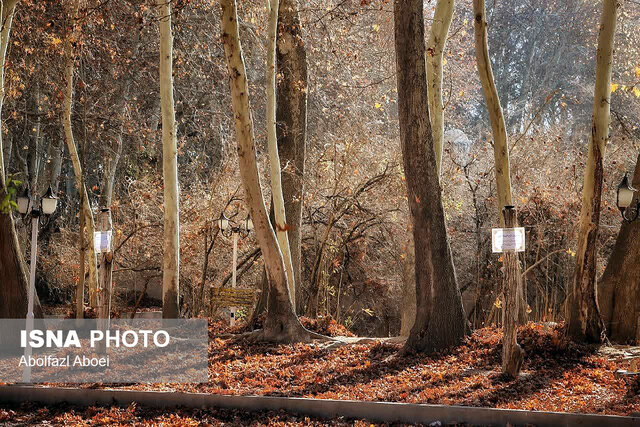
<point x="498" y="127"/>
<point x="435" y="49"/>
<point x="274" y="159"/>
<point x="73" y="153"/>
<point x="105" y="279"/>
<point x="512" y="354"/>
<point x="281" y="323"/>
<point x="171" y="246"/>
<point x="291" y="116"/>
<point x="440" y="319"/>
<point x="619" y="288"/>
<point x="13" y="276"/>
<point x="584" y="322"/>
<point x="409" y="304"/>
<point x="496" y="116"/>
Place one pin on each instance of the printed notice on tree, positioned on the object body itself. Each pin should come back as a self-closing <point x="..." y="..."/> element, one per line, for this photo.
<point x="508" y="239"/>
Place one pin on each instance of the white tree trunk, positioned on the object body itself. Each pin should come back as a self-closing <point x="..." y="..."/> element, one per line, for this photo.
<point x="171" y="247"/>
<point x="496" y="116"/>
<point x="435" y="49"/>
<point x="281" y="323"/>
<point x="272" y="141"/>
<point x="7" y="7"/>
<point x="75" y="159"/>
<point x="584" y="322"/>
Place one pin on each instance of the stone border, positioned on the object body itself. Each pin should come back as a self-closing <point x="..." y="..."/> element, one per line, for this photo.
<point x="322" y="408"/>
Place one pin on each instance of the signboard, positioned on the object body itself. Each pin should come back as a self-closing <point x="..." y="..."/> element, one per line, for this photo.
<point x="102" y="241"/>
<point x="233" y="297"/>
<point x="508" y="239"/>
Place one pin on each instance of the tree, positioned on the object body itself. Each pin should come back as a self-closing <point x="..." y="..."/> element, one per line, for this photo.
<point x="13" y="278"/>
<point x="281" y="323"/>
<point x="291" y="115"/>
<point x="440" y="318"/>
<point x="583" y="321"/>
<point x="498" y="129"/>
<point x="435" y="49"/>
<point x="274" y="159"/>
<point x="171" y="245"/>
<point x="496" y="116"/>
<point x="619" y="287"/>
<point x="73" y="153"/>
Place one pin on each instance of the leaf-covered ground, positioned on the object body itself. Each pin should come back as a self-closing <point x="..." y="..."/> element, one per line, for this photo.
<point x="556" y="375"/>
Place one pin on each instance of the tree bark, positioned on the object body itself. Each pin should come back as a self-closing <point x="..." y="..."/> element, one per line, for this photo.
<point x="105" y="279"/>
<point x="496" y="116"/>
<point x="13" y="276"/>
<point x="440" y="319"/>
<point x="409" y="304"/>
<point x="584" y="322"/>
<point x="619" y="288"/>
<point x="435" y="49"/>
<point x="291" y="115"/>
<point x="171" y="245"/>
<point x="281" y="323"/>
<point x="498" y="126"/>
<point x="272" y="142"/>
<point x="512" y="354"/>
<point x="73" y="153"/>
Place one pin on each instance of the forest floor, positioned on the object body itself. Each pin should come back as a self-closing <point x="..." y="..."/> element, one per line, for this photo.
<point x="556" y="375"/>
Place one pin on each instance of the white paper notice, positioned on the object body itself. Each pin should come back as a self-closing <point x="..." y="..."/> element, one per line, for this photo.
<point x="508" y="239"/>
<point x="102" y="241"/>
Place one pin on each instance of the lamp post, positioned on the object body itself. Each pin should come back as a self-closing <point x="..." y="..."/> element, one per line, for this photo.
<point x="228" y="229"/>
<point x="624" y="200"/>
<point x="27" y="204"/>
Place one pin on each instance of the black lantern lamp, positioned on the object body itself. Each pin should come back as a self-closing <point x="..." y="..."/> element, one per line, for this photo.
<point x="24" y="202"/>
<point x="49" y="202"/>
<point x="225" y="225"/>
<point x="624" y="200"/>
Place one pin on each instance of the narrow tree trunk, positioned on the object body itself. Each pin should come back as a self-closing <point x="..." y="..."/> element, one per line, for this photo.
<point x="81" y="262"/>
<point x="272" y="142"/>
<point x="291" y="115"/>
<point x="56" y="151"/>
<point x="584" y="322"/>
<point x="73" y="153"/>
<point x="13" y="277"/>
<point x="498" y="127"/>
<point x="619" y="288"/>
<point x="171" y="246"/>
<point x="104" y="282"/>
<point x="7" y="9"/>
<point x="512" y="354"/>
<point x="281" y="323"/>
<point x="440" y="319"/>
<point x="496" y="116"/>
<point x="435" y="49"/>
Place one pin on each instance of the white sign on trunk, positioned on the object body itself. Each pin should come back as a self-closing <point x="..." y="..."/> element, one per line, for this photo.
<point x="102" y="241"/>
<point x="508" y="239"/>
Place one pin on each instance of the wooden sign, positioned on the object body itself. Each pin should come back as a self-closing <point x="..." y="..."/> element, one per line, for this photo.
<point x="233" y="297"/>
<point x="508" y="239"/>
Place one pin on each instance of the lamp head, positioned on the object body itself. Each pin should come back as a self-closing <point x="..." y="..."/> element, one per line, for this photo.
<point x="24" y="201"/>
<point x="223" y="222"/>
<point x="49" y="202"/>
<point x="625" y="194"/>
